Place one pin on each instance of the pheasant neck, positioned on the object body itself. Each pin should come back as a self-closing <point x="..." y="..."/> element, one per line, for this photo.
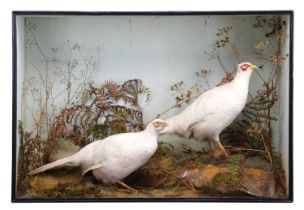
<point x="151" y="130"/>
<point x="242" y="79"/>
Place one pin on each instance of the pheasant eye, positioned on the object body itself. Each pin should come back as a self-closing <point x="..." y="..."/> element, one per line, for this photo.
<point x="244" y="67"/>
<point x="156" y="125"/>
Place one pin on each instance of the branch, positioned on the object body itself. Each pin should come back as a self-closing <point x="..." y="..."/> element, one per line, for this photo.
<point x="83" y="84"/>
<point x="37" y="45"/>
<point x="267" y="151"/>
<point x="221" y="63"/>
<point x="245" y="149"/>
<point x="177" y="105"/>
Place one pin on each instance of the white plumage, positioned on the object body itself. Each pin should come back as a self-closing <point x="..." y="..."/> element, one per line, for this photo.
<point x="214" y="110"/>
<point x="114" y="157"/>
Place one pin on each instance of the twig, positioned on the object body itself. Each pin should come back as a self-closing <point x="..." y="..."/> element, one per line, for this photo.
<point x="272" y="74"/>
<point x="172" y="107"/>
<point x="37" y="45"/>
<point x="265" y="83"/>
<point x="250" y="95"/>
<point x="206" y="81"/>
<point x="45" y="107"/>
<point x="39" y="73"/>
<point x="87" y="77"/>
<point x="221" y="63"/>
<point x="263" y="140"/>
<point x="245" y="149"/>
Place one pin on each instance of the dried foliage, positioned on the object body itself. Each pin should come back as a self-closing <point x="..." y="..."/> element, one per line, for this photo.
<point x="99" y="115"/>
<point x="31" y="153"/>
<point x="223" y="36"/>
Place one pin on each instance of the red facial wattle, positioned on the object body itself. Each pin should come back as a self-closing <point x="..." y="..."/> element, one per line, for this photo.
<point x="244" y="67"/>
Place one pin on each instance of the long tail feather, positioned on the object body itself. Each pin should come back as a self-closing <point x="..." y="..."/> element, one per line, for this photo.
<point x="71" y="160"/>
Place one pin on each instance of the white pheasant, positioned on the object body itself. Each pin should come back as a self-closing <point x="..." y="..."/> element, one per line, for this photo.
<point x="115" y="157"/>
<point x="214" y="110"/>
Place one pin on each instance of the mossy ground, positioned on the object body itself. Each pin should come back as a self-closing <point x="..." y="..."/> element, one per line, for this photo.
<point x="166" y="175"/>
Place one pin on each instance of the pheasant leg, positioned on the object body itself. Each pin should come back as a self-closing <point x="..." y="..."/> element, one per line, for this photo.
<point x="221" y="147"/>
<point x="121" y="183"/>
<point x="211" y="145"/>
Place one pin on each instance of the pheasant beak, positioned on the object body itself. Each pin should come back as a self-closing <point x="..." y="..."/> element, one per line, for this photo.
<point x="253" y="67"/>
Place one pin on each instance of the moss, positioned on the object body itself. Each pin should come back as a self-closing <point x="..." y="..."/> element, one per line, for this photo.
<point x="67" y="191"/>
<point x="21" y="170"/>
<point x="186" y="174"/>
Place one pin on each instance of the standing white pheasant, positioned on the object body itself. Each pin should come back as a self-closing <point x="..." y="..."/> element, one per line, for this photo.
<point x="115" y="157"/>
<point x="214" y="110"/>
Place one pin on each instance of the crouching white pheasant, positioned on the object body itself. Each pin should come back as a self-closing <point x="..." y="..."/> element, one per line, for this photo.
<point x="115" y="157"/>
<point x="214" y="110"/>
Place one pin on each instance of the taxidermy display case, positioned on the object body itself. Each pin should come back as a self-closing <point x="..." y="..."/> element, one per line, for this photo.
<point x="79" y="77"/>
